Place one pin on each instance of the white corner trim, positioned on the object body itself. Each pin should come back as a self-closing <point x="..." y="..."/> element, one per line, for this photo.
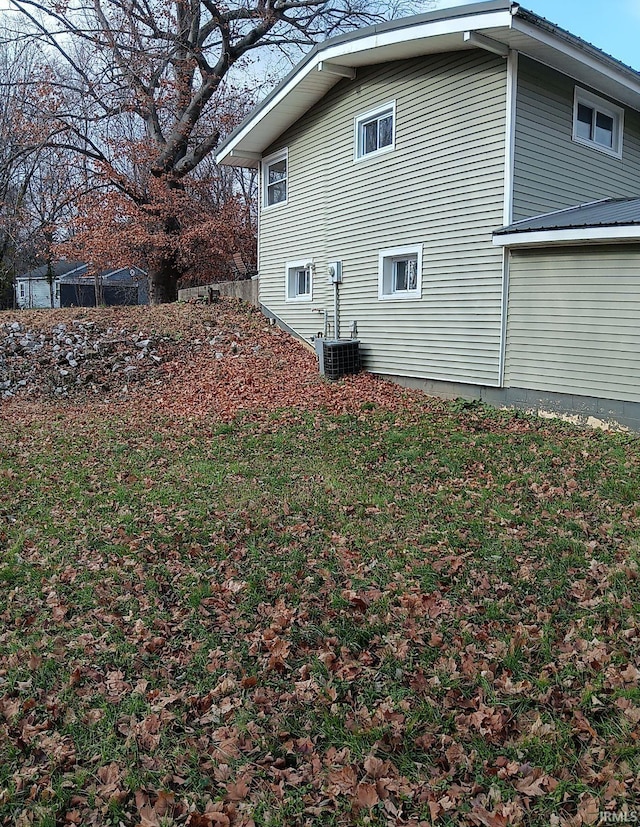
<point x="580" y="235"/>
<point x="510" y="137"/>
<point x="504" y="315"/>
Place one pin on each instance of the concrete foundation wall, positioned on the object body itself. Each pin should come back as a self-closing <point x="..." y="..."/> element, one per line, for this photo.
<point x="247" y="290"/>
<point x="581" y="410"/>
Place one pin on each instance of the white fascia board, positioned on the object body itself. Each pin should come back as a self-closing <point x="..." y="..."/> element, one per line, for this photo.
<point x="581" y="235"/>
<point x="75" y="270"/>
<point x="422" y="31"/>
<point x="582" y="56"/>
<point x="340" y="52"/>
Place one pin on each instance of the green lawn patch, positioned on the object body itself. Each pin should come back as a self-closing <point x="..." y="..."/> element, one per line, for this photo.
<point x="414" y="617"/>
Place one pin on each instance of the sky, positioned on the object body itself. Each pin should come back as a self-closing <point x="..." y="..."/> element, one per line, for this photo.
<point x="611" y="25"/>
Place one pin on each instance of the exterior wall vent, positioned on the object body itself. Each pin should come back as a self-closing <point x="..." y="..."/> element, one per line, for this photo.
<point x="338" y="357"/>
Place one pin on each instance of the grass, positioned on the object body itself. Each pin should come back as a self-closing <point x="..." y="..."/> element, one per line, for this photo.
<point x="238" y="617"/>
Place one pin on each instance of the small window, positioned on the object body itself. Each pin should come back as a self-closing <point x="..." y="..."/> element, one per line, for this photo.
<point x="274" y="181"/>
<point x="375" y="131"/>
<point x="299" y="278"/>
<point x="400" y="273"/>
<point x="21" y="290"/>
<point x="597" y="123"/>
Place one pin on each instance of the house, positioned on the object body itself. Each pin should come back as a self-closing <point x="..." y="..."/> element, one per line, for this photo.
<point x="461" y="189"/>
<point x="70" y="284"/>
<point x="119" y="286"/>
<point x="40" y="288"/>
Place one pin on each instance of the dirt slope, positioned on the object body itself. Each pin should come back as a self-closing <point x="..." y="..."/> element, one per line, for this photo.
<point x="188" y="360"/>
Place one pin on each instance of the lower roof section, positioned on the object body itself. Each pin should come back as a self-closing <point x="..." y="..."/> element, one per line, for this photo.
<point x="605" y="221"/>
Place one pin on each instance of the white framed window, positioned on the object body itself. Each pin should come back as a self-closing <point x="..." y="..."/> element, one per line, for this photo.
<point x="299" y="280"/>
<point x="400" y="273"/>
<point x="22" y="290"/>
<point x="375" y="131"/>
<point x="597" y="123"/>
<point x="275" y="171"/>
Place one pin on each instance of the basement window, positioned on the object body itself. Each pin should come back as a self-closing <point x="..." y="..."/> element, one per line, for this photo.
<point x="597" y="123"/>
<point x="299" y="281"/>
<point x="274" y="179"/>
<point x="400" y="273"/>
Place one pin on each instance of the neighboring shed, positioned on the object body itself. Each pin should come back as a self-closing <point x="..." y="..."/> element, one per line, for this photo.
<point x="122" y="286"/>
<point x="40" y="288"/>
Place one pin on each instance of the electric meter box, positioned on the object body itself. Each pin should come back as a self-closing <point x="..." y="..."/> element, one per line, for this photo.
<point x="335" y="272"/>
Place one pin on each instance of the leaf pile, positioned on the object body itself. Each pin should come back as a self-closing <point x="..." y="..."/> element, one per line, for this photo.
<point x="231" y="599"/>
<point x="190" y="359"/>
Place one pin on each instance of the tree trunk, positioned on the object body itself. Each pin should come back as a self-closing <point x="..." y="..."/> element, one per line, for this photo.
<point x="163" y="283"/>
<point x="163" y="279"/>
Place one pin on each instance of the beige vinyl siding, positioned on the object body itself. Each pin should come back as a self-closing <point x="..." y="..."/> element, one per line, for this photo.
<point x="574" y="321"/>
<point x="551" y="171"/>
<point x="441" y="187"/>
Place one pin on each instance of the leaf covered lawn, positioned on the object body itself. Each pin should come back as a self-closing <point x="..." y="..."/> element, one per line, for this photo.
<point x="232" y="593"/>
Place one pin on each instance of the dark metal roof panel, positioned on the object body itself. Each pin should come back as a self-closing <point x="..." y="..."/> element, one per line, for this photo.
<point x="122" y="274"/>
<point x="553" y="28"/>
<point x="59" y="268"/>
<point x="610" y="212"/>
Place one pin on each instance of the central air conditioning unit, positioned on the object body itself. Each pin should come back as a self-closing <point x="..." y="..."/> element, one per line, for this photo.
<point x="338" y="357"/>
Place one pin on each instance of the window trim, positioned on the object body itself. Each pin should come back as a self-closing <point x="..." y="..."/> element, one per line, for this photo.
<point x="365" y="117"/>
<point x="408" y="251"/>
<point x="306" y="264"/>
<point x="598" y="104"/>
<point x="282" y="154"/>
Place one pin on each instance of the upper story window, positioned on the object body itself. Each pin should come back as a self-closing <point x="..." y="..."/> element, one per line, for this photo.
<point x="274" y="179"/>
<point x="597" y="123"/>
<point x="376" y="131"/>
<point x="400" y="273"/>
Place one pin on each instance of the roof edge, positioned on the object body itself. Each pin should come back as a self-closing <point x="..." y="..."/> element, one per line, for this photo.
<point x="515" y="18"/>
<point x="566" y="237"/>
<point x="401" y="23"/>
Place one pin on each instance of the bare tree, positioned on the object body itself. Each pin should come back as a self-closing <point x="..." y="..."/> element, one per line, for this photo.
<point x="39" y="183"/>
<point x="147" y="91"/>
